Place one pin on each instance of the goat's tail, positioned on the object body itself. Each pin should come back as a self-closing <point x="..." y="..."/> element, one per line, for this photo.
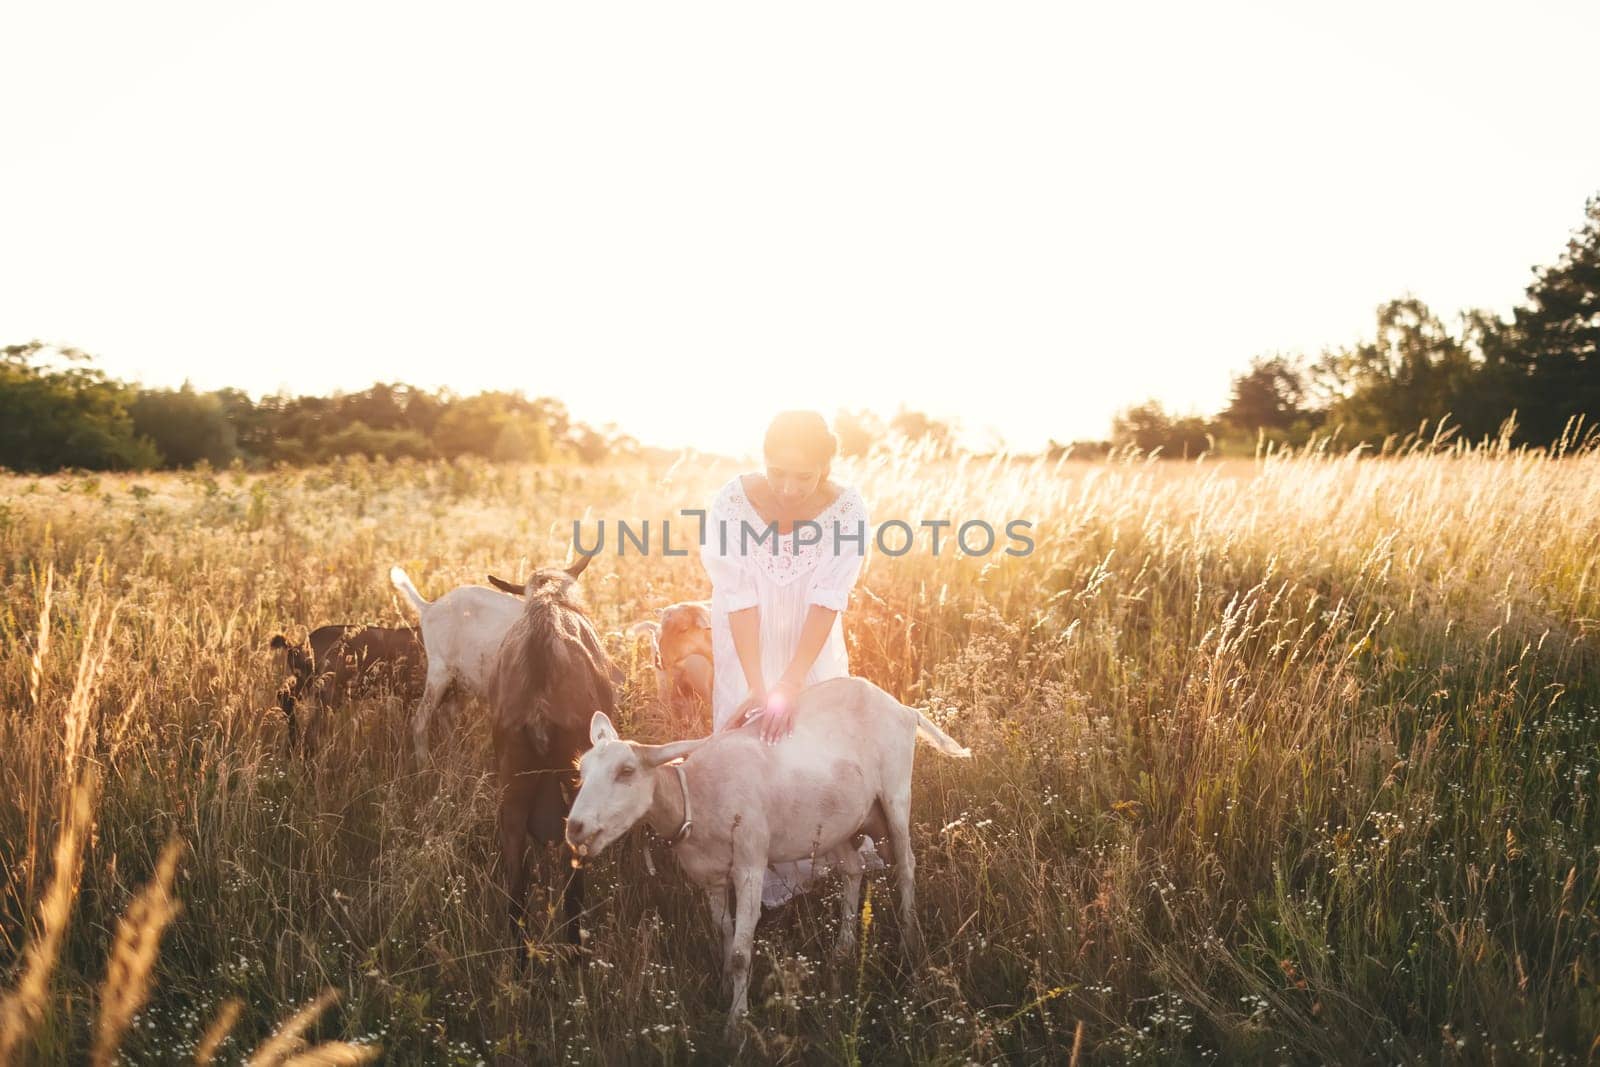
<point x="402" y="583"/>
<point x="938" y="738"/>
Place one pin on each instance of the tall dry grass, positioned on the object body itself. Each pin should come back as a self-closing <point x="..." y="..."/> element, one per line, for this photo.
<point x="127" y="983"/>
<point x="1286" y="759"/>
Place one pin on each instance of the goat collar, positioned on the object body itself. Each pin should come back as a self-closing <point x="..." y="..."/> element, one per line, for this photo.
<point x="688" y="823"/>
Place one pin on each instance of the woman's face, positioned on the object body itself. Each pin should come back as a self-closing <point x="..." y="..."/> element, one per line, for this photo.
<point x="793" y="476"/>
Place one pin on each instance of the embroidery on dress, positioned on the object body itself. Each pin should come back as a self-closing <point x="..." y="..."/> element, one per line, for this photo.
<point x="789" y="562"/>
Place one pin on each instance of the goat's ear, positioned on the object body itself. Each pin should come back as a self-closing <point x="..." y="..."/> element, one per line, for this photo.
<point x="600" y="729"/>
<point x="575" y="568"/>
<point x="702" y="616"/>
<point x="514" y="588"/>
<point x="656" y="755"/>
<point x="278" y="641"/>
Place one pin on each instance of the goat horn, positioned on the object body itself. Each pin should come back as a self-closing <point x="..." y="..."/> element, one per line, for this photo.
<point x="514" y="588"/>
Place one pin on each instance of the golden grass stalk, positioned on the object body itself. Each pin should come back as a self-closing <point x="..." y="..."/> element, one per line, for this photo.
<point x="91" y="664"/>
<point x="217" y="1032"/>
<point x="289" y="1037"/>
<point x="23" y="1008"/>
<point x="334" y="1054"/>
<point x="41" y="648"/>
<point x="133" y="955"/>
<point x="283" y="1047"/>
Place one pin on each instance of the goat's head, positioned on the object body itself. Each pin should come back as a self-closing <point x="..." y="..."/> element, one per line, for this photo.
<point x="615" y="788"/>
<point x="555" y="581"/>
<point x="684" y="624"/>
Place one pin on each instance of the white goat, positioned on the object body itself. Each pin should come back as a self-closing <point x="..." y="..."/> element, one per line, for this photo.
<point x="461" y="633"/>
<point x="734" y="805"/>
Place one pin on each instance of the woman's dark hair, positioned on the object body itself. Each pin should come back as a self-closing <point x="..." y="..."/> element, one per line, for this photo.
<point x="805" y="431"/>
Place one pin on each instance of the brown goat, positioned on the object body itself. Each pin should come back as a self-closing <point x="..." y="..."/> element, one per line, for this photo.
<point x="553" y="675"/>
<point x="680" y="645"/>
<point x="680" y="640"/>
<point x="336" y="663"/>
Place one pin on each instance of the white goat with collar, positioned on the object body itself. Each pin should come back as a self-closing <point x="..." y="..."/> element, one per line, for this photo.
<point x="736" y="805"/>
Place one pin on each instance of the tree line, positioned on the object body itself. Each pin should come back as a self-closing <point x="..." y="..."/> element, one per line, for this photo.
<point x="58" y="410"/>
<point x="1533" y="376"/>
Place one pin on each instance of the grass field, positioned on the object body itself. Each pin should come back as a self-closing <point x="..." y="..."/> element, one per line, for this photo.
<point x="1289" y="760"/>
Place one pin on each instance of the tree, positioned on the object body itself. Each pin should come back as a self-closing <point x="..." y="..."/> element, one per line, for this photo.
<point x="1413" y="371"/>
<point x="1056" y="450"/>
<point x="360" y="439"/>
<point x="521" y="438"/>
<point x="1543" y="365"/>
<point x="251" y="423"/>
<point x="916" y="426"/>
<point x="1552" y="345"/>
<point x="592" y="445"/>
<point x="1269" y="396"/>
<point x="857" y="431"/>
<point x="589" y="444"/>
<point x="496" y="426"/>
<point x="469" y="426"/>
<point x="553" y="413"/>
<point x="1149" y="427"/>
<point x="292" y="428"/>
<point x="382" y="407"/>
<point x="185" y="426"/>
<point x="65" y="413"/>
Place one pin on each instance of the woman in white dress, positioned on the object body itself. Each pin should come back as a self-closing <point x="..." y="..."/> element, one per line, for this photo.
<point x="775" y="615"/>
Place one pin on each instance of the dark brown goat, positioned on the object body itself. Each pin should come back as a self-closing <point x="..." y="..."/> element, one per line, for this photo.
<point x="553" y="675"/>
<point x="336" y="663"/>
<point x="680" y="645"/>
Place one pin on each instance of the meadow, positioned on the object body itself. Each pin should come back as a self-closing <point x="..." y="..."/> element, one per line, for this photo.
<point x="1278" y="760"/>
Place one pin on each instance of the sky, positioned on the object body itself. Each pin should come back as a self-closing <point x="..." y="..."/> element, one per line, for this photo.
<point x="683" y="218"/>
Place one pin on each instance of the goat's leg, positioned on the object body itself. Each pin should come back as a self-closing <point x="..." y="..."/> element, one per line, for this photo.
<point x="747" y="909"/>
<point x="448" y="712"/>
<point x="547" y="814"/>
<point x="286" y="702"/>
<point x="694" y="681"/>
<point x="897" y="812"/>
<point x="698" y="671"/>
<point x="876" y="828"/>
<point x="721" y="915"/>
<point x="514" y="864"/>
<point x="433" y="694"/>
<point x="314" y="722"/>
<point x="722" y="918"/>
<point x="850" y="862"/>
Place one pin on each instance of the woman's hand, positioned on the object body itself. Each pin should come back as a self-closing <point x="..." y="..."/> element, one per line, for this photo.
<point x="753" y="701"/>
<point x="775" y="706"/>
<point x="778" y="722"/>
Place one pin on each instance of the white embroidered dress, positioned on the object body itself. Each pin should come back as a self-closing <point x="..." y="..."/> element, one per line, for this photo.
<point x="782" y="586"/>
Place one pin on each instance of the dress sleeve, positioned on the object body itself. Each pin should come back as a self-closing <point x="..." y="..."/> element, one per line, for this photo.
<point x="841" y="561"/>
<point x="733" y="582"/>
